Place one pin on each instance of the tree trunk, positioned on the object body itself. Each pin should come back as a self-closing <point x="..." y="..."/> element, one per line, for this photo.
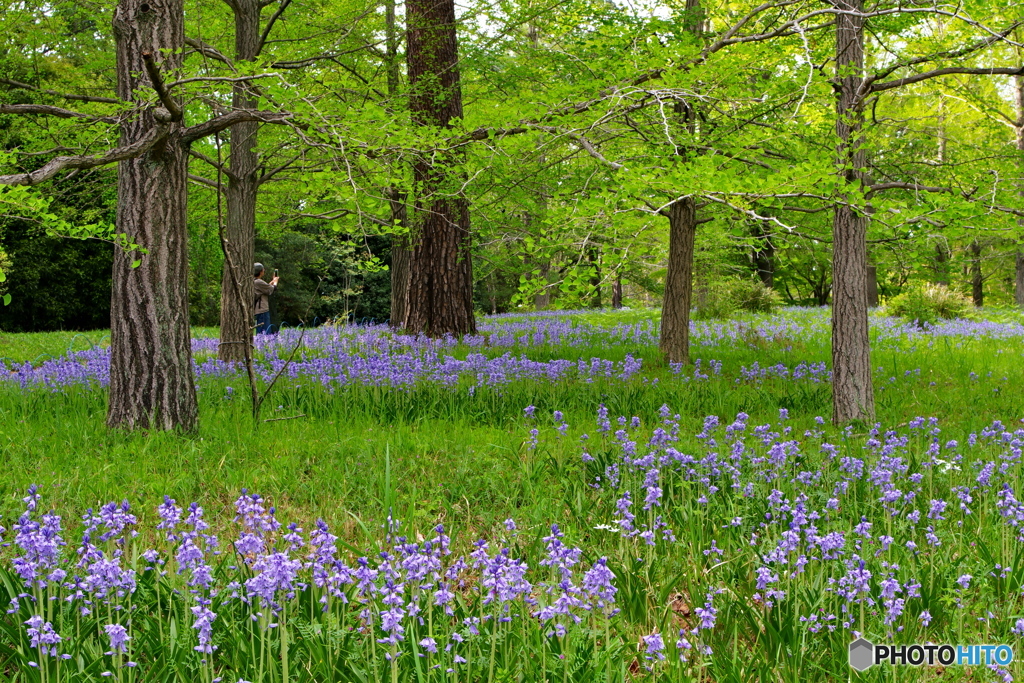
<point x="872" y="281"/>
<point x="542" y="300"/>
<point x="682" y="235"/>
<point x="152" y="383"/>
<point x="675" y="306"/>
<point x="941" y="264"/>
<point x="852" y="391"/>
<point x="400" y="248"/>
<point x="594" y="255"/>
<point x="617" y="291"/>
<point x="764" y="255"/>
<point x="977" y="282"/>
<point x="441" y="268"/>
<point x="1018" y="289"/>
<point x="400" y="257"/>
<point x="236" y="290"/>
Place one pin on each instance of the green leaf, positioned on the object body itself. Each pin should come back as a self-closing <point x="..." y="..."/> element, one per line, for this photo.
<point x="7" y="299"/>
<point x="136" y="263"/>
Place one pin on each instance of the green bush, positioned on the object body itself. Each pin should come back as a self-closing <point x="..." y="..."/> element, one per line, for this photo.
<point x="926" y="303"/>
<point x="724" y="298"/>
<point x="754" y="296"/>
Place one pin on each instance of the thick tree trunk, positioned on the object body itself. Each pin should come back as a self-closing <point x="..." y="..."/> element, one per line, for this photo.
<point x="852" y="391"/>
<point x="400" y="257"/>
<point x="152" y="384"/>
<point x="977" y="282"/>
<point x="682" y="220"/>
<point x="675" y="306"/>
<point x="236" y="291"/>
<point x="441" y="268"/>
<point x="617" y="291"/>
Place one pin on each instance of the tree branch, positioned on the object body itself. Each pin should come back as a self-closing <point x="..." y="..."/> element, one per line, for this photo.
<point x="270" y="25"/>
<point x="219" y="123"/>
<point x="158" y="85"/>
<point x="58" y="164"/>
<point x="66" y="96"/>
<point x="49" y="110"/>
<point x="210" y="51"/>
<point x="945" y="71"/>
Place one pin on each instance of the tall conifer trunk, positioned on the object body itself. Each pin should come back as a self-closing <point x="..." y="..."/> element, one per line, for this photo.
<point x="441" y="267"/>
<point x="152" y="384"/>
<point x="853" y="395"/>
<point x="236" y="291"/>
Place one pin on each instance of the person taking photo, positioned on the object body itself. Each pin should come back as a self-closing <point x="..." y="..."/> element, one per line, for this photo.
<point x="263" y="291"/>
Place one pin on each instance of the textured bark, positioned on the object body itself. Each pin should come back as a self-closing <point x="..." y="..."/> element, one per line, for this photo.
<point x="674" y="341"/>
<point x="152" y="384"/>
<point x="617" y="291"/>
<point x="441" y="268"/>
<point x="236" y="315"/>
<point x="675" y="306"/>
<point x="977" y="282"/>
<point x="542" y="300"/>
<point x="852" y="391"/>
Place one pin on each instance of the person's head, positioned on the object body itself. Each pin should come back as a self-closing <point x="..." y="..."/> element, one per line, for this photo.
<point x="258" y="270"/>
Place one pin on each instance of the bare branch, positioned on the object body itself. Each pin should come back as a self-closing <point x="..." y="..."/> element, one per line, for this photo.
<point x="270" y="25"/>
<point x="210" y="51"/>
<point x="49" y="110"/>
<point x="66" y="96"/>
<point x="219" y="79"/>
<point x="158" y="86"/>
<point x="58" y="164"/>
<point x="917" y="78"/>
<point x="219" y="123"/>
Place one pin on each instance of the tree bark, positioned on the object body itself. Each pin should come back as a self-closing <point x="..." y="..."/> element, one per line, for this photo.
<point x="852" y="391"/>
<point x="675" y="306"/>
<point x="1018" y="289"/>
<point x="400" y="258"/>
<point x="152" y="383"/>
<point x="441" y="267"/>
<point x="594" y="256"/>
<point x="764" y="255"/>
<point x="941" y="264"/>
<point x="674" y="341"/>
<point x="400" y="248"/>
<point x="977" y="282"/>
<point x="617" y="292"/>
<point x="236" y="316"/>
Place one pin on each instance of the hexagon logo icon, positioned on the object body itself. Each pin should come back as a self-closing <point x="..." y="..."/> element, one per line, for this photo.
<point x="862" y="654"/>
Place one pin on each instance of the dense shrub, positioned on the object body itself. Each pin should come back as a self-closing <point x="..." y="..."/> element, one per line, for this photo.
<point x="926" y="303"/>
<point x="724" y="298"/>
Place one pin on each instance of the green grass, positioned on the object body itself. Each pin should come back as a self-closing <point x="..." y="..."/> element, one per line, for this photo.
<point x="443" y="455"/>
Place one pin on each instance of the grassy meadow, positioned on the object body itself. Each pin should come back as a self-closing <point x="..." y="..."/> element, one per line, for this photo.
<point x="748" y="538"/>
